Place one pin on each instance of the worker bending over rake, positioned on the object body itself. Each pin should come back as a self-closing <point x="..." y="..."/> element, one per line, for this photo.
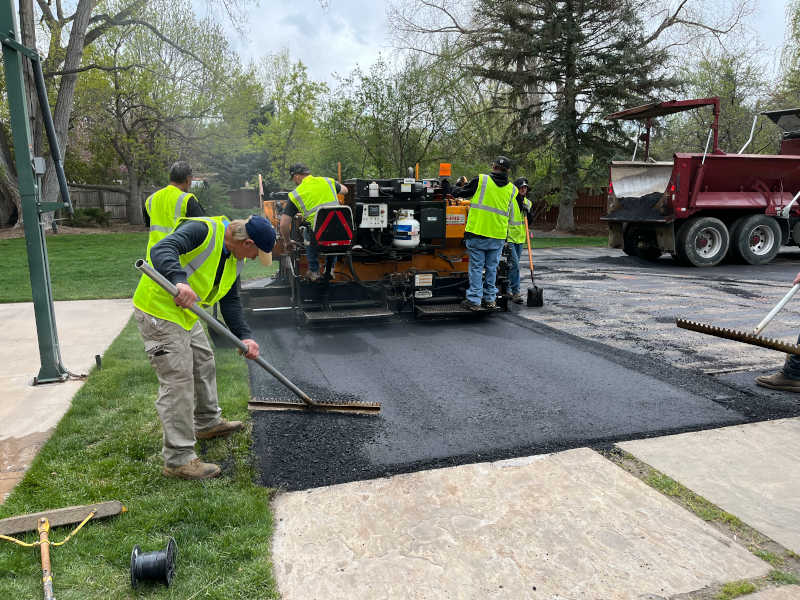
<point x="202" y="257"/>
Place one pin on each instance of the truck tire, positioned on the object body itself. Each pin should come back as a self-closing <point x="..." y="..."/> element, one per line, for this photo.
<point x="642" y="243"/>
<point x="733" y="252"/>
<point x="702" y="242"/>
<point x="630" y="239"/>
<point x="757" y="239"/>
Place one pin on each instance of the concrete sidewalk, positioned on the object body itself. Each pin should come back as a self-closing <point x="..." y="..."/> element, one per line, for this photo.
<point x="566" y="526"/>
<point x="28" y="413"/>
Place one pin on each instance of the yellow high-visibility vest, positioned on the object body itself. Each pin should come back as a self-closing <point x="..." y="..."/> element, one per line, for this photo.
<point x="312" y="194"/>
<point x="490" y="208"/>
<point x="164" y="208"/>
<point x="201" y="268"/>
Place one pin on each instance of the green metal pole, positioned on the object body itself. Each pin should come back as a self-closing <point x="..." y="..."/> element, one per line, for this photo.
<point x="52" y="369"/>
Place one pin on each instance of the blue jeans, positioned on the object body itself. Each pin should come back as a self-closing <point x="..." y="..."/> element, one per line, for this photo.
<point x="791" y="368"/>
<point x="312" y="255"/>
<point x="484" y="253"/>
<point x="513" y="269"/>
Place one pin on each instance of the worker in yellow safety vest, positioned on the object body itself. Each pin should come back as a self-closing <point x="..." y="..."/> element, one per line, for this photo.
<point x="202" y="257"/>
<point x="163" y="208"/>
<point x="311" y="194"/>
<point x="492" y="202"/>
<point x="516" y="236"/>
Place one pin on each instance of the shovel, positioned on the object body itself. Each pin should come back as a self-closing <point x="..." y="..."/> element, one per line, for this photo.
<point x="535" y="294"/>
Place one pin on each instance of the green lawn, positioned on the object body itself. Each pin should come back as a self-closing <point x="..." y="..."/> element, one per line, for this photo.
<point x="570" y="242"/>
<point x="84" y="267"/>
<point x="107" y="447"/>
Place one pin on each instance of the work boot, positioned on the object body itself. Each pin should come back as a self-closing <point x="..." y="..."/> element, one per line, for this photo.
<point x="470" y="306"/>
<point x="220" y="429"/>
<point x="516" y="298"/>
<point x="489" y="304"/>
<point x="312" y="275"/>
<point x="779" y="381"/>
<point x="194" y="469"/>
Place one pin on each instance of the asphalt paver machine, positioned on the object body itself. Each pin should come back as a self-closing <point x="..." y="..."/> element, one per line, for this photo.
<point x="399" y="248"/>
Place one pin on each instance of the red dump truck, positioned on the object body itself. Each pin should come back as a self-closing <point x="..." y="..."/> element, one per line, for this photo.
<point x="702" y="207"/>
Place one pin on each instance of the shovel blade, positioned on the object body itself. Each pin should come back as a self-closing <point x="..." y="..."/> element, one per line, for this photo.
<point x="535" y="296"/>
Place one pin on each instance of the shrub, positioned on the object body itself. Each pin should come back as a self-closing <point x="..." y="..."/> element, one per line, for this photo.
<point x="89" y="217"/>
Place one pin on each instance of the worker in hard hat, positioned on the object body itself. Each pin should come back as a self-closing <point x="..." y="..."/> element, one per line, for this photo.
<point x="788" y="378"/>
<point x="493" y="199"/>
<point x="516" y="236"/>
<point x="163" y="208"/>
<point x="311" y="194"/>
<point x="202" y="258"/>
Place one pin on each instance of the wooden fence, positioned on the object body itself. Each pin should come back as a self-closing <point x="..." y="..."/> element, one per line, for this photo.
<point x="115" y="203"/>
<point x="588" y="209"/>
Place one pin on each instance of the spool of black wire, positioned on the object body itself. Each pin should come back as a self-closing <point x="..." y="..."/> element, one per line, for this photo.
<point x="156" y="566"/>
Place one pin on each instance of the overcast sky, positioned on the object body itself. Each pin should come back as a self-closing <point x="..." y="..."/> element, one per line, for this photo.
<point x="350" y="32"/>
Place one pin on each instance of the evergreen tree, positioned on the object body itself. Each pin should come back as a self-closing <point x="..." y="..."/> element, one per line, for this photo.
<point x="573" y="62"/>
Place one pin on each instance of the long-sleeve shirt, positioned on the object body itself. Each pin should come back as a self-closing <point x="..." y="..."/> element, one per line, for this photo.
<point x="500" y="179"/>
<point x="166" y="260"/>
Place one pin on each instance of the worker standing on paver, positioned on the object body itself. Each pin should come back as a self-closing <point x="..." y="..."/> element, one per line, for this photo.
<point x="516" y="236"/>
<point x="788" y="378"/>
<point x="492" y="204"/>
<point x="311" y="194"/>
<point x="163" y="208"/>
<point x="202" y="258"/>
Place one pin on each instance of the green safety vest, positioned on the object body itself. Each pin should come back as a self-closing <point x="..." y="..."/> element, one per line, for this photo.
<point x="165" y="207"/>
<point x="312" y="194"/>
<point x="516" y="225"/>
<point x="201" y="268"/>
<point x="490" y="208"/>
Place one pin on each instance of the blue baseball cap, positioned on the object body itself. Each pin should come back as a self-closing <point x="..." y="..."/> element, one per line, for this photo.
<point x="263" y="235"/>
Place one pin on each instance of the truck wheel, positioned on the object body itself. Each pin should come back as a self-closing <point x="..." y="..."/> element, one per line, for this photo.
<point x="703" y="242"/>
<point x="757" y="239"/>
<point x="642" y="243"/>
<point x="733" y="231"/>
<point x="650" y="252"/>
<point x="630" y="239"/>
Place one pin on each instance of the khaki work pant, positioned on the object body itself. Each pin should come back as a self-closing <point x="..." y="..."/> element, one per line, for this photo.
<point x="187" y="394"/>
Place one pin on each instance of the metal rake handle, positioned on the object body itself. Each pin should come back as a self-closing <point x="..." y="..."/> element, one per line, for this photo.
<point x="765" y="321"/>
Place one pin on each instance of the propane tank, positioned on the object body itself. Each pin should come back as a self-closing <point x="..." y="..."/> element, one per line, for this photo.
<point x="406" y="230"/>
<point x="374" y="189"/>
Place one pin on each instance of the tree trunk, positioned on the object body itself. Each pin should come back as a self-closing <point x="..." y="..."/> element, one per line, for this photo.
<point x="10" y="205"/>
<point x="134" y="205"/>
<point x="569" y="128"/>
<point x="66" y="91"/>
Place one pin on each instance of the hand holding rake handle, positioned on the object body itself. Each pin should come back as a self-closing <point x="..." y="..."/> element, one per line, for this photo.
<point x="165" y="283"/>
<point x="765" y="321"/>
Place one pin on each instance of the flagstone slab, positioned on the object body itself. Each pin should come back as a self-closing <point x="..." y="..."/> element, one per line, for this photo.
<point x="561" y="526"/>
<point x="751" y="471"/>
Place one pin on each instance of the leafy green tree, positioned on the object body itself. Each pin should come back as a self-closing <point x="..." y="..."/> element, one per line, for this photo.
<point x="290" y="132"/>
<point x="737" y="78"/>
<point x="394" y="118"/>
<point x="149" y="107"/>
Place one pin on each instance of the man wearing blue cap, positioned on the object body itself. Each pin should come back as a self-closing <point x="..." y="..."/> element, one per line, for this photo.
<point x="202" y="257"/>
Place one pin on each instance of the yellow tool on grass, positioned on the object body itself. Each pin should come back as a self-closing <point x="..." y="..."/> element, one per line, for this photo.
<point x="44" y="521"/>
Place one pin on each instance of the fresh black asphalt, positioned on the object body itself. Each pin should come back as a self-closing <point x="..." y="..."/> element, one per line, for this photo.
<point x="455" y="392"/>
